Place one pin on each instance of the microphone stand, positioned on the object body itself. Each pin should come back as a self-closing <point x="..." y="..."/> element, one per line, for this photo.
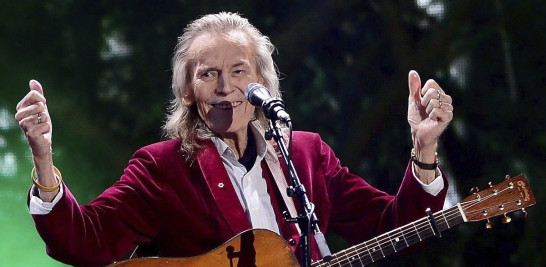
<point x="306" y="219"/>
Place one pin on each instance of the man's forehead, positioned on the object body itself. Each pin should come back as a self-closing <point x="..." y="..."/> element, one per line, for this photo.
<point x="207" y="43"/>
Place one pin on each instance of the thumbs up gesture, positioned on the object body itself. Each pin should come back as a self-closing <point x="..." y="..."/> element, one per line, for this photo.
<point x="430" y="110"/>
<point x="34" y="120"/>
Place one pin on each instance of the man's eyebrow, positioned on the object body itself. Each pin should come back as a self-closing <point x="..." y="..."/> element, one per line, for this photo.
<point x="203" y="69"/>
<point x="241" y="63"/>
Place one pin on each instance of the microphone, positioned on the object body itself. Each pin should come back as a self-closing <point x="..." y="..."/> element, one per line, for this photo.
<point x="273" y="107"/>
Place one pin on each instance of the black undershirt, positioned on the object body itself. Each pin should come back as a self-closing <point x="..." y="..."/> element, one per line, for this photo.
<point x="249" y="157"/>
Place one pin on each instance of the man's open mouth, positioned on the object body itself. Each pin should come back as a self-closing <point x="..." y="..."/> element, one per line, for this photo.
<point x="227" y="105"/>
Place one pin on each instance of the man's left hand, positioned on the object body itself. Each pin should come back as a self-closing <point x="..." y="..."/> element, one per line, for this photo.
<point x="430" y="110"/>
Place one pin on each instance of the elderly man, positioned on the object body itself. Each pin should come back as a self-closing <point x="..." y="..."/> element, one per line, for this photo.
<point x="217" y="176"/>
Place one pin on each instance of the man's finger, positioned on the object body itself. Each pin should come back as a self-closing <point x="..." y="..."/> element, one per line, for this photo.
<point x="433" y="94"/>
<point x="432" y="84"/>
<point x="31" y="98"/>
<point x="36" y="94"/>
<point x="441" y="115"/>
<point x="31" y="110"/>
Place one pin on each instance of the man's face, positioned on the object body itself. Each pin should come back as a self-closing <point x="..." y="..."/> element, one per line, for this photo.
<point x="222" y="66"/>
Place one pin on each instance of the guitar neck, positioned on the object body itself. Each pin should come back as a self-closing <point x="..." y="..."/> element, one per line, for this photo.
<point x="396" y="240"/>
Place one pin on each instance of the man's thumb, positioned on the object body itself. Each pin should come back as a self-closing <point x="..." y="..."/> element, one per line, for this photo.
<point x="36" y="86"/>
<point x="414" y="83"/>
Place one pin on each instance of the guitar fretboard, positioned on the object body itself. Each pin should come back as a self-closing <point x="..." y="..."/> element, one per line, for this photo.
<point x="395" y="240"/>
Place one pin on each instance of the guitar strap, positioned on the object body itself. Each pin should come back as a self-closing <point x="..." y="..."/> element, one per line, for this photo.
<point x="273" y="158"/>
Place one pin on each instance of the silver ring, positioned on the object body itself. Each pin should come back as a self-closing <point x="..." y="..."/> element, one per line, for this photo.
<point x="438" y="91"/>
<point x="39" y="116"/>
<point x="440" y="103"/>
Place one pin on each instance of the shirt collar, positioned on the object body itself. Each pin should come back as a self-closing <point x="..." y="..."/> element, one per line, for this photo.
<point x="261" y="145"/>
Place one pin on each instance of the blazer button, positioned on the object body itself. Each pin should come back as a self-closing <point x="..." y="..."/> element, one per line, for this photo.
<point x="221" y="185"/>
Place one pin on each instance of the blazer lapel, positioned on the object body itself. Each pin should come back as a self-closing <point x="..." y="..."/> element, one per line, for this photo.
<point x="222" y="189"/>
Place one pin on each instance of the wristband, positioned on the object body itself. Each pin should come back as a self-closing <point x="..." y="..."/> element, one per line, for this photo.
<point x="424" y="166"/>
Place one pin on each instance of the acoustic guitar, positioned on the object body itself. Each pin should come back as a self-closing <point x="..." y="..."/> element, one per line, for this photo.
<point x="264" y="248"/>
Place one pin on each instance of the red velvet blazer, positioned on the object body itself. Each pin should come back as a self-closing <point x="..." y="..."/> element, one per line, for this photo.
<point x="189" y="210"/>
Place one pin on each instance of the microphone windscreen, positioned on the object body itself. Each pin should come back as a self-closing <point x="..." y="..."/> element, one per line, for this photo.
<point x="256" y="94"/>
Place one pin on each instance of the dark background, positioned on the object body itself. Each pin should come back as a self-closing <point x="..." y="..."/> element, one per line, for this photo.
<point x="105" y="68"/>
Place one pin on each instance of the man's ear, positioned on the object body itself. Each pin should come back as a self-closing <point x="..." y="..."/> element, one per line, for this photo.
<point x="188" y="98"/>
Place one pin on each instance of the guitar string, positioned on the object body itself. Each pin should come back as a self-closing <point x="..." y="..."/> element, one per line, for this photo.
<point x="421" y="223"/>
<point x="420" y="226"/>
<point x="349" y="257"/>
<point x="386" y="240"/>
<point x="450" y="212"/>
<point x="479" y="200"/>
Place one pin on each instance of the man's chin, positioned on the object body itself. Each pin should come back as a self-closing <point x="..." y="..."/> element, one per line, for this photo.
<point x="228" y="131"/>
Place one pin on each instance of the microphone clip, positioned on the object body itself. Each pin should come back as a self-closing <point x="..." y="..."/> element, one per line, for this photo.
<point x="274" y="108"/>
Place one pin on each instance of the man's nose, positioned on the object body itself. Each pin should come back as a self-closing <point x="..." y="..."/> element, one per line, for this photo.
<point x="224" y="85"/>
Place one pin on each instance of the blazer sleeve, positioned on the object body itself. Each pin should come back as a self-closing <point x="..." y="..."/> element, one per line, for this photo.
<point x="110" y="226"/>
<point x="360" y="211"/>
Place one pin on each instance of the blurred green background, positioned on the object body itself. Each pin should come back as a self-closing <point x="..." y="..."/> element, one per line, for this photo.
<point x="105" y="68"/>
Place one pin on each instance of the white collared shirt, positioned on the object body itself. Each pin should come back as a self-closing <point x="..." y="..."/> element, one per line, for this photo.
<point x="250" y="186"/>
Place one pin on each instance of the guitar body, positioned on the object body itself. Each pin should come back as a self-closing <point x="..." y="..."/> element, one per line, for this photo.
<point x="256" y="247"/>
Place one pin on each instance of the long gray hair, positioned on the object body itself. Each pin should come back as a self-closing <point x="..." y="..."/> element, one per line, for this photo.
<point x="183" y="122"/>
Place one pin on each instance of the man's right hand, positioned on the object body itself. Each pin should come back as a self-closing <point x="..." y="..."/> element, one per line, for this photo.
<point x="35" y="122"/>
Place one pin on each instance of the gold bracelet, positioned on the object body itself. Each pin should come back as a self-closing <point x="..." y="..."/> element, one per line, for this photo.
<point x="58" y="176"/>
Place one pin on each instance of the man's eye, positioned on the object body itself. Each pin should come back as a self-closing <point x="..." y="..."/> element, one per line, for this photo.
<point x="209" y="74"/>
<point x="238" y="73"/>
